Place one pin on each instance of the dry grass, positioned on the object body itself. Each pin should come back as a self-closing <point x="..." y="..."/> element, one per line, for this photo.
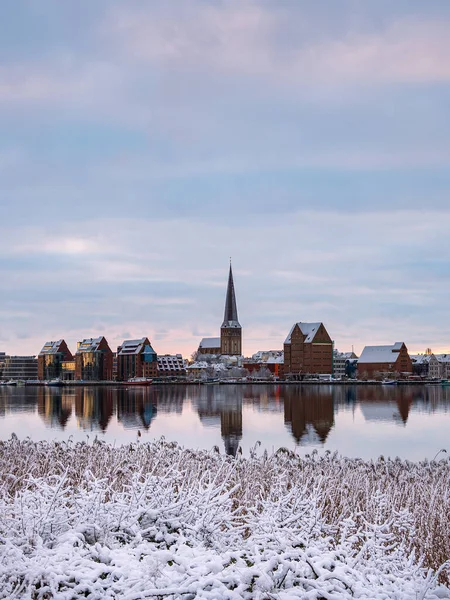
<point x="381" y="510"/>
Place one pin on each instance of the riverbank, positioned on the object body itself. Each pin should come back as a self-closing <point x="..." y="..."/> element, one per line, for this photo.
<point x="147" y="520"/>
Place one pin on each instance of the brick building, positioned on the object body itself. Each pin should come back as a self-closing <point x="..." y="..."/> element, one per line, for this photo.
<point x="136" y="358"/>
<point x="231" y="330"/>
<point x="209" y="346"/>
<point x="376" y="362"/>
<point x="308" y="350"/>
<point x="51" y="359"/>
<point x="171" y="365"/>
<point x="93" y="360"/>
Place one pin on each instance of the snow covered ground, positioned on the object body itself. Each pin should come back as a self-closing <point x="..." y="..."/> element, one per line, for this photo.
<point x="141" y="521"/>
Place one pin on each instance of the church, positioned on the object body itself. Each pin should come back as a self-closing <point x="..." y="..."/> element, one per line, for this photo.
<point x="230" y="341"/>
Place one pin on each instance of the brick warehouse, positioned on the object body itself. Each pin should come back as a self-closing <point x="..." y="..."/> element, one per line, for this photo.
<point x="308" y="350"/>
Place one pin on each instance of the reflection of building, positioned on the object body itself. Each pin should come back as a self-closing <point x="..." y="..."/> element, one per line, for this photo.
<point x="425" y="366"/>
<point x="20" y="368"/>
<point x="309" y="412"/>
<point x="94" y="407"/>
<point x="93" y="360"/>
<point x="217" y="405"/>
<point x="51" y="358"/>
<point x="376" y="361"/>
<point x="308" y="349"/>
<point x="136" y="358"/>
<point x="136" y="408"/>
<point x="54" y="406"/>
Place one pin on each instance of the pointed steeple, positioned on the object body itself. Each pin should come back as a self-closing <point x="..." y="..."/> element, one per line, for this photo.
<point x="230" y="318"/>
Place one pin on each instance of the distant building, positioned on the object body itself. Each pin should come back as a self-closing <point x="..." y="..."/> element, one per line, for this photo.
<point x="231" y="330"/>
<point x="426" y="366"/>
<point x="378" y="361"/>
<point x="444" y="365"/>
<point x="51" y="358"/>
<point x="210" y="346"/>
<point x="308" y="350"/>
<point x="272" y="360"/>
<point x="342" y="362"/>
<point x="136" y="358"/>
<point x="93" y="360"/>
<point x="171" y="366"/>
<point x="18" y="368"/>
<point x="2" y="363"/>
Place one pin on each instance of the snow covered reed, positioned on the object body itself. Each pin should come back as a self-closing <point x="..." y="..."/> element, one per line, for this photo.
<point x="83" y="520"/>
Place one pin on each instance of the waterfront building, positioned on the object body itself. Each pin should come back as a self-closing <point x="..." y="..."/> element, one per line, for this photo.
<point x="444" y="365"/>
<point x="171" y="365"/>
<point x="93" y="360"/>
<point x="308" y="350"/>
<point x="377" y="362"/>
<point x="231" y="330"/>
<point x="136" y="358"/>
<point x="267" y="363"/>
<point x="68" y="370"/>
<point x="343" y="363"/>
<point x="17" y="368"/>
<point x="426" y="366"/>
<point x="2" y="363"/>
<point x="51" y="358"/>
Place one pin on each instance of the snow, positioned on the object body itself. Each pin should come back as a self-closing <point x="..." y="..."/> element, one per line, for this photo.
<point x="207" y="343"/>
<point x="153" y="520"/>
<point x="308" y="329"/>
<point x="380" y="354"/>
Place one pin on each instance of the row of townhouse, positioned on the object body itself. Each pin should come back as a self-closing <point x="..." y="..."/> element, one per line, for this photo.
<point x="95" y="361"/>
<point x="431" y="366"/>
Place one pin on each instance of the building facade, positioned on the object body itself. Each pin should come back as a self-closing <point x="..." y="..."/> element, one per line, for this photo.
<point x="342" y="364"/>
<point x="376" y="362"/>
<point x="231" y="330"/>
<point x="93" y="360"/>
<point x="171" y="365"/>
<point x="308" y="350"/>
<point x="51" y="359"/>
<point x="20" y="368"/>
<point x="136" y="358"/>
<point x="209" y="346"/>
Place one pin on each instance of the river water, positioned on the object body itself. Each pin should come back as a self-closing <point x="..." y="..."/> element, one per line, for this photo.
<point x="411" y="422"/>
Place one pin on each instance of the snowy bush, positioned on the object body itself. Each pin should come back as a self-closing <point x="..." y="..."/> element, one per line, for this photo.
<point x="153" y="520"/>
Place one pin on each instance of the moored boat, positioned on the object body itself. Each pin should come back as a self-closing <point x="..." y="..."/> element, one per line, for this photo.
<point x="55" y="383"/>
<point x="139" y="381"/>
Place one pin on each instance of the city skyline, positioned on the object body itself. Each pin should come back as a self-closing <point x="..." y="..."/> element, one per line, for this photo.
<point x="142" y="144"/>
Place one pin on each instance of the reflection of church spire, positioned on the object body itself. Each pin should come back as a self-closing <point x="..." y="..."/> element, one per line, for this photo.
<point x="231" y="428"/>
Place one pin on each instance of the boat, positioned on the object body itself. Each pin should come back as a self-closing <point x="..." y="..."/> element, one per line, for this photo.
<point x="55" y="383"/>
<point x="139" y="381"/>
<point x="389" y="382"/>
<point x="445" y="382"/>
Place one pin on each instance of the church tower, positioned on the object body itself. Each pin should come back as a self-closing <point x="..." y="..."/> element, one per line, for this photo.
<point x="231" y="331"/>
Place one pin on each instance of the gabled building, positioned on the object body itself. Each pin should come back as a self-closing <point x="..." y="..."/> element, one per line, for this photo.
<point x="210" y="346"/>
<point x="231" y="330"/>
<point x="377" y="361"/>
<point x="136" y="358"/>
<point x="425" y="366"/>
<point x="51" y="359"/>
<point x="343" y="364"/>
<point x="93" y="360"/>
<point x="308" y="350"/>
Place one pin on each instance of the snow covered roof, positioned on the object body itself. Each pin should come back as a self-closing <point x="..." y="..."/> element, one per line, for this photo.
<point x="170" y="362"/>
<point x="380" y="354"/>
<point x="51" y="347"/>
<point x="135" y="347"/>
<point x="89" y="344"/>
<point x="443" y="358"/>
<point x="308" y="329"/>
<point x="213" y="342"/>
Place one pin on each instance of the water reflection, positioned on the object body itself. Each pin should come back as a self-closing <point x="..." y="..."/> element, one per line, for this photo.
<point x="228" y="415"/>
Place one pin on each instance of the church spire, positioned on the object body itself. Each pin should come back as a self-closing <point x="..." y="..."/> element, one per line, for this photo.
<point x="230" y="317"/>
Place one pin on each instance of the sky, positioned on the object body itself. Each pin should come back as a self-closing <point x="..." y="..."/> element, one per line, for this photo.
<point x="144" y="143"/>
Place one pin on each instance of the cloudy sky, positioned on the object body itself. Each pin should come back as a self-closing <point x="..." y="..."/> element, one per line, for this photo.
<point x="144" y="143"/>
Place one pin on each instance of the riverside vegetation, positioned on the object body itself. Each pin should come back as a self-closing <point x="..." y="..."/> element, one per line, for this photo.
<point x="153" y="520"/>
